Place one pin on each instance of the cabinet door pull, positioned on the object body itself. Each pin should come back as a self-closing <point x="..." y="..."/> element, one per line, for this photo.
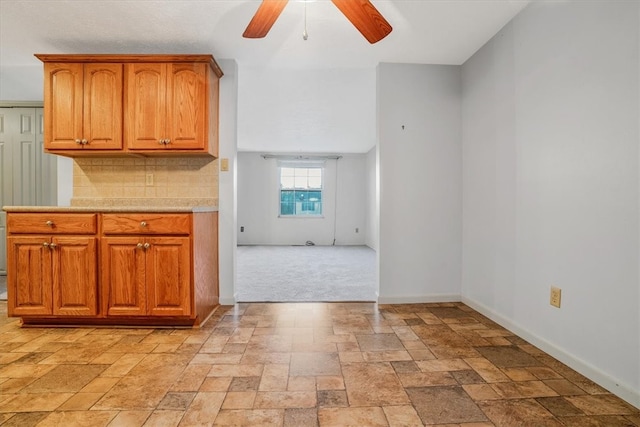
<point x="143" y="224"/>
<point x="167" y="141"/>
<point x="78" y="141"/>
<point x="45" y="244"/>
<point x="52" y="246"/>
<point x="161" y="141"/>
<point x="147" y="246"/>
<point x="85" y="142"/>
<point x="49" y="223"/>
<point x="139" y="246"/>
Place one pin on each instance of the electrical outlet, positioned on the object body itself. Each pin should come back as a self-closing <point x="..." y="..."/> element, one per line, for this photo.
<point x="555" y="298"/>
<point x="149" y="179"/>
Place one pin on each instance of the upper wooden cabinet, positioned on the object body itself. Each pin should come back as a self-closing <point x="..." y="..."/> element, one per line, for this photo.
<point x="165" y="106"/>
<point x="83" y="106"/>
<point x="131" y="104"/>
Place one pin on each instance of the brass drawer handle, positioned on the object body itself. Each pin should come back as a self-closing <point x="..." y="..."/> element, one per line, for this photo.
<point x="143" y="224"/>
<point x="49" y="223"/>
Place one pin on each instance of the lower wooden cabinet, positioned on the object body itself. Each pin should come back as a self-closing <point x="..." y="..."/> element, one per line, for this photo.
<point x="29" y="281"/>
<point x="74" y="275"/>
<point x="154" y="268"/>
<point x="54" y="273"/>
<point x="146" y="276"/>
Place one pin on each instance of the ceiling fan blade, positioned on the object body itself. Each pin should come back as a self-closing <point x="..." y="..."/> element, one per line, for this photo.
<point x="366" y="18"/>
<point x="264" y="18"/>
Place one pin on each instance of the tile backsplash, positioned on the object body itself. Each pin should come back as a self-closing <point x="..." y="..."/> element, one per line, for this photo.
<point x="145" y="181"/>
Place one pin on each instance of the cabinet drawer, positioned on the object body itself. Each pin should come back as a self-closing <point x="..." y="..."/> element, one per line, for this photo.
<point x="51" y="223"/>
<point x="147" y="223"/>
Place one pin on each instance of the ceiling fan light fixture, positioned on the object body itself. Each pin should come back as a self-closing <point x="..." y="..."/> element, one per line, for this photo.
<point x="361" y="13"/>
<point x="264" y="18"/>
<point x="305" y="35"/>
<point x="366" y="18"/>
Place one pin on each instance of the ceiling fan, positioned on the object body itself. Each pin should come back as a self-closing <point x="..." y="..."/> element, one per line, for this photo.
<point x="362" y="14"/>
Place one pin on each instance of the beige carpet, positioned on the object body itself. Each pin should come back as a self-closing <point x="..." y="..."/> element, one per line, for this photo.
<point x="306" y="273"/>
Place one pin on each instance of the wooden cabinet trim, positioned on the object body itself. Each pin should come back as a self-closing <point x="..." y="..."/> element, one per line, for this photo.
<point x="132" y="58"/>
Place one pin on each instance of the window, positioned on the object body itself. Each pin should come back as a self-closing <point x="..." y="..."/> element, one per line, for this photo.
<point x="300" y="191"/>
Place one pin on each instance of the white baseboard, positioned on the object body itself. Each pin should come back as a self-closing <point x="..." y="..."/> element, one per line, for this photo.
<point x="227" y="301"/>
<point x="614" y="385"/>
<point x="419" y="299"/>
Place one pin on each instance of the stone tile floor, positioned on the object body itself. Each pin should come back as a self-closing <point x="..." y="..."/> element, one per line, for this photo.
<point x="304" y="364"/>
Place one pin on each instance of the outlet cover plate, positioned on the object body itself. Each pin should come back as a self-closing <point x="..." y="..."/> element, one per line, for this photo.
<point x="555" y="296"/>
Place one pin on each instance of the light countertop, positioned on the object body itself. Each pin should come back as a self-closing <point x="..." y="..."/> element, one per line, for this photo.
<point x="157" y="204"/>
<point x="110" y="209"/>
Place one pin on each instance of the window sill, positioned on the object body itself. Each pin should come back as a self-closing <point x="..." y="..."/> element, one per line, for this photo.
<point x="301" y="216"/>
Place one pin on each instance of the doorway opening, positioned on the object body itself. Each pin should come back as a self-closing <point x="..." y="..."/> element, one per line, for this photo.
<point x="305" y="228"/>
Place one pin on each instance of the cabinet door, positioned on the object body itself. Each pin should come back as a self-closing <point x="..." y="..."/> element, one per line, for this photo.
<point x="168" y="278"/>
<point x="123" y="276"/>
<point x="63" y="100"/>
<point x="102" y="112"/>
<point x="145" y="105"/>
<point x="74" y="274"/>
<point x="187" y="106"/>
<point x="29" y="276"/>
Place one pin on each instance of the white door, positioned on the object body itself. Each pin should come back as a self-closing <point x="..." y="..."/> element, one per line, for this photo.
<point x="28" y="176"/>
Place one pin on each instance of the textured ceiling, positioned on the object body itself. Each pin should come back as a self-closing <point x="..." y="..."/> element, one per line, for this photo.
<point x="429" y="31"/>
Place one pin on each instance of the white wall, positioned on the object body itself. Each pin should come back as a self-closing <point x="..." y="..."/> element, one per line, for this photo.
<point x="307" y="110"/>
<point x="551" y="185"/>
<point x="227" y="181"/>
<point x="419" y="149"/>
<point x="350" y="182"/>
<point x="65" y="181"/>
<point x="23" y="83"/>
<point x="371" y="215"/>
<point x="258" y="204"/>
